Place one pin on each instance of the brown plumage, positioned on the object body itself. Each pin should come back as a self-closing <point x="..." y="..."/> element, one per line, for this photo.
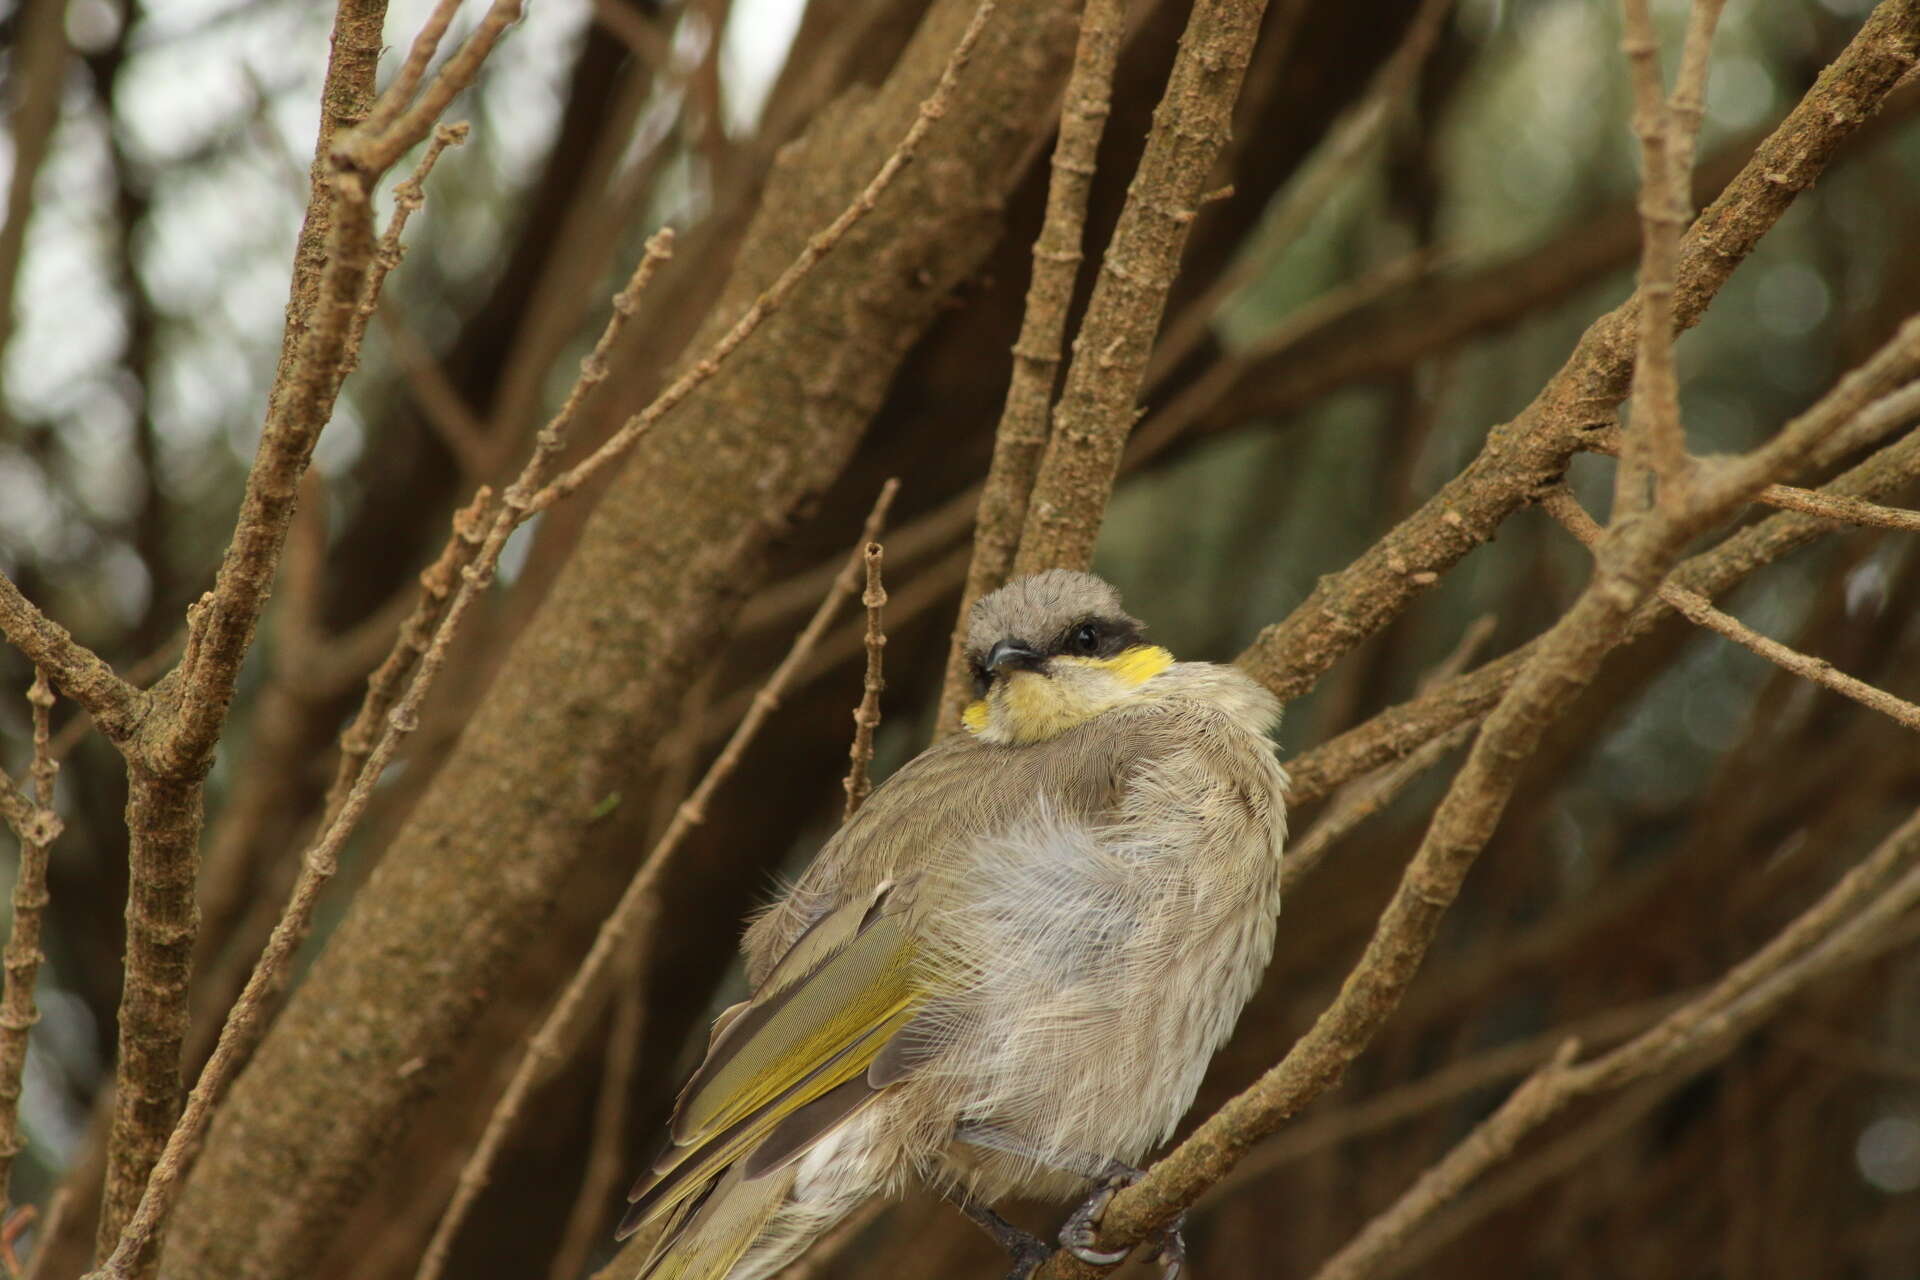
<point x="1010" y="968"/>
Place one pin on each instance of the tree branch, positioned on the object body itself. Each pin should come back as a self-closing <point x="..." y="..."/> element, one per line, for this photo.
<point x="1399" y="730"/>
<point x="866" y="717"/>
<point x="37" y="826"/>
<point x="1633" y="555"/>
<point x="1838" y="929"/>
<point x="1096" y="410"/>
<point x="116" y="706"/>
<point x="166" y="767"/>
<point x="1057" y="252"/>
<point x="1696" y="608"/>
<point x="1523" y="456"/>
<point x="618" y="932"/>
<point x="1657" y="445"/>
<point x="776" y="294"/>
<point x="137" y="1246"/>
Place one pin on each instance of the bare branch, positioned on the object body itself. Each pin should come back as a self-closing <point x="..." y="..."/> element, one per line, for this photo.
<point x="1364" y="797"/>
<point x="1096" y="410"/>
<point x="408" y="196"/>
<point x="384" y="687"/>
<point x="866" y="717"/>
<point x="1696" y="608"/>
<point x="395" y="127"/>
<point x="116" y="706"/>
<point x="1522" y="456"/>
<point x="1057" y="252"/>
<point x="1346" y="143"/>
<point x="776" y="294"/>
<point x="1395" y="732"/>
<point x="138" y="1242"/>
<point x="1328" y="1129"/>
<point x="221" y="630"/>
<point x="619" y="931"/>
<point x="1867" y="899"/>
<point x="607" y="1161"/>
<point x="1843" y="510"/>
<point x="1657" y="442"/>
<point x="37" y="825"/>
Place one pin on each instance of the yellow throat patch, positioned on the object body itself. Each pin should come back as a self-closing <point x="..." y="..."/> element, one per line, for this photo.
<point x="1031" y="707"/>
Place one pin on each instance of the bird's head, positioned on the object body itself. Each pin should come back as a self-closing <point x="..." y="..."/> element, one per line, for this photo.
<point x="1049" y="652"/>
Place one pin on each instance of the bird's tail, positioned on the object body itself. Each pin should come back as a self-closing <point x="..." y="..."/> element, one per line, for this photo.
<point x="715" y="1231"/>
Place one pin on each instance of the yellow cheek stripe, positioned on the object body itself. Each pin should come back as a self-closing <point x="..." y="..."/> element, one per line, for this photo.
<point x="1030" y="707"/>
<point x="1138" y="664"/>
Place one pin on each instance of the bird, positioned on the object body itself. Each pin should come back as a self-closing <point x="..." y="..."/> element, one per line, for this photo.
<point x="1007" y="972"/>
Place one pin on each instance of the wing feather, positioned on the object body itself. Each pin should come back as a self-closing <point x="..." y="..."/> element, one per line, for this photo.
<point x="819" y="1029"/>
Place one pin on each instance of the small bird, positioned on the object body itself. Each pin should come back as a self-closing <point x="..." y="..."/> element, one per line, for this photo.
<point x="1007" y="972"/>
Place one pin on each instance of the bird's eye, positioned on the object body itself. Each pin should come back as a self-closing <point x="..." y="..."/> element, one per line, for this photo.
<point x="1085" y="639"/>
<point x="979" y="673"/>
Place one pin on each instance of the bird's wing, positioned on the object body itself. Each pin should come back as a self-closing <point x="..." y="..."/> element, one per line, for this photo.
<point x="792" y="1063"/>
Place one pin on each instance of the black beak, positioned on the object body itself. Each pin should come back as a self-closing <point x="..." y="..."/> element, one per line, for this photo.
<point x="1012" y="654"/>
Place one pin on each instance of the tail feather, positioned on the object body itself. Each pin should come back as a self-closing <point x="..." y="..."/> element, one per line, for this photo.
<point x="706" y="1237"/>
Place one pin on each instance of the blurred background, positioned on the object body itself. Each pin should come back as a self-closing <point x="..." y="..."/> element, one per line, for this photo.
<point x="1404" y="262"/>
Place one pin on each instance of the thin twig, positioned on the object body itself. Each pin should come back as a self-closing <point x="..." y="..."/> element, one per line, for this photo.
<point x="1845" y="510"/>
<point x="1348" y="606"/>
<point x="1566" y="1154"/>
<point x="384" y="687"/>
<point x="321" y="860"/>
<point x="166" y="773"/>
<point x="1388" y="97"/>
<point x="1656" y="442"/>
<point x="866" y="717"/>
<point x="1361" y="799"/>
<point x="406" y="81"/>
<point x="1401" y="729"/>
<point x="1022" y="430"/>
<point x="1364" y="797"/>
<point x="607" y="1160"/>
<point x="1096" y="409"/>
<point x="408" y="196"/>
<point x="395" y="127"/>
<point x="1687" y="107"/>
<point x="818" y="246"/>
<point x="1560" y="503"/>
<point x="1869" y="426"/>
<point x="1336" y="1128"/>
<point x="619" y="930"/>
<point x="37" y="825"/>
<point x="115" y="705"/>
<point x="1867" y="899"/>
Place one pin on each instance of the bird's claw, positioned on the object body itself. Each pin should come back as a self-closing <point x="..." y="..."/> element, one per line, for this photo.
<point x="1172" y="1255"/>
<point x="1082" y="1228"/>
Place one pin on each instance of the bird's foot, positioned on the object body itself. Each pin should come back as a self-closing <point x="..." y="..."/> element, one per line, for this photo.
<point x="1028" y="1251"/>
<point x="1082" y="1229"/>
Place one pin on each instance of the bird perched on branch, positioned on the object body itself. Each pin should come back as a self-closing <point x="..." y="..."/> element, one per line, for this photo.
<point x="1006" y="974"/>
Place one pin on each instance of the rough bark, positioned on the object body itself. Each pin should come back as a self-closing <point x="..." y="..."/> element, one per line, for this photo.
<point x="597" y="675"/>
